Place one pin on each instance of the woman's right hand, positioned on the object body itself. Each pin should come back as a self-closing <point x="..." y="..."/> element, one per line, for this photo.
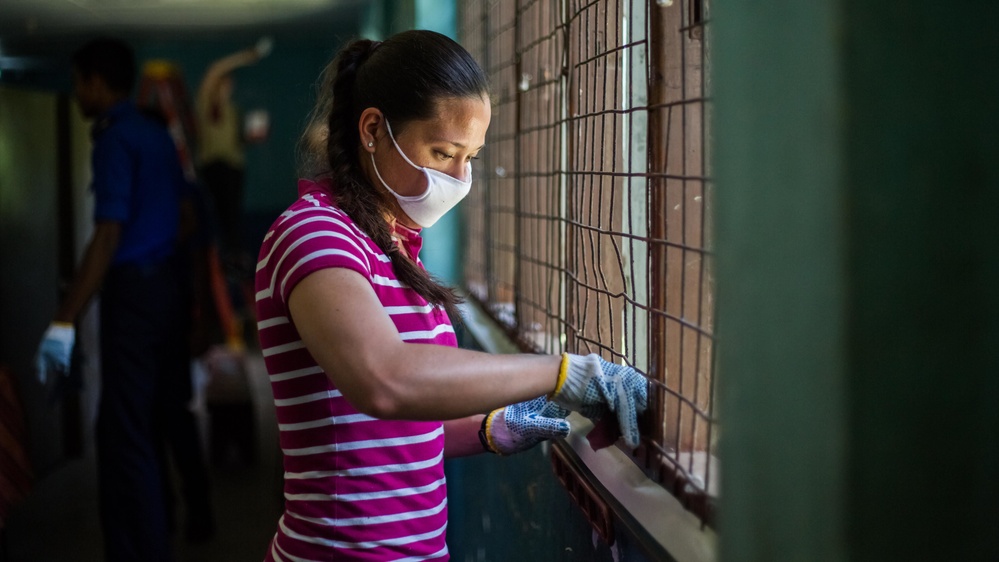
<point x="592" y="386"/>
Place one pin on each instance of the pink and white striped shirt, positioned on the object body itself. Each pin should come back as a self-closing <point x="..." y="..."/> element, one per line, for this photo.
<point x="356" y="487"/>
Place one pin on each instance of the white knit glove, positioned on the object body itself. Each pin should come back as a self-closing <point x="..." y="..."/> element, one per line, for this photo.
<point x="55" y="350"/>
<point x="521" y="426"/>
<point x="591" y="386"/>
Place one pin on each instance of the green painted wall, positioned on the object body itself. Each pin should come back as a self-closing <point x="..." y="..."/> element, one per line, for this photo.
<point x="923" y="196"/>
<point x="781" y="281"/>
<point x="29" y="254"/>
<point x="858" y="190"/>
<point x="443" y="242"/>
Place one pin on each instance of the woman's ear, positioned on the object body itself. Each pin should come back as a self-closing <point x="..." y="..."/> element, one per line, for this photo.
<point x="368" y="128"/>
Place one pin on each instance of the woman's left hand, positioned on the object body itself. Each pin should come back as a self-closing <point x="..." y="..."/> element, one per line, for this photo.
<point x="593" y="386"/>
<point x="521" y="426"/>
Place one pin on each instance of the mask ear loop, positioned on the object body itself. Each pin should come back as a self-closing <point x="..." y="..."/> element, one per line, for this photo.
<point x="410" y="162"/>
<point x="401" y="153"/>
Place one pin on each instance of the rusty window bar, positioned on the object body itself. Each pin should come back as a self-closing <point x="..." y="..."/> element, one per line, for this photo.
<point x="689" y="69"/>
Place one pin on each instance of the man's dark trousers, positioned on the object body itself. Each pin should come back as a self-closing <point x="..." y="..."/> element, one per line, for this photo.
<point x="142" y="331"/>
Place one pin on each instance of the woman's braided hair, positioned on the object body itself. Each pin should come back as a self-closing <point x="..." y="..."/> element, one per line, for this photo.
<point x="404" y="77"/>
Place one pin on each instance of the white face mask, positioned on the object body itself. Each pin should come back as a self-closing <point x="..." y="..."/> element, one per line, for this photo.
<point x="442" y="194"/>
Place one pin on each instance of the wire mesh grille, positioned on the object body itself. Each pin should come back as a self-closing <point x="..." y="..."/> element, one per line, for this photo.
<point x="589" y="229"/>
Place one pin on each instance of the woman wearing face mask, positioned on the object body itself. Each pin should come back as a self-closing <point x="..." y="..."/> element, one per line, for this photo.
<point x="370" y="391"/>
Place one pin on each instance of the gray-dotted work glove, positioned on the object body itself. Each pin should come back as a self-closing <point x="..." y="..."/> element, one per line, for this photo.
<point x="592" y="386"/>
<point x="521" y="426"/>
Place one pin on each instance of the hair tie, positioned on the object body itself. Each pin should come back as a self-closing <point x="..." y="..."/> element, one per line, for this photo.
<point x="363" y="56"/>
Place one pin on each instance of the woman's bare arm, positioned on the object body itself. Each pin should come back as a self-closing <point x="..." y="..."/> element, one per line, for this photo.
<point x="350" y="335"/>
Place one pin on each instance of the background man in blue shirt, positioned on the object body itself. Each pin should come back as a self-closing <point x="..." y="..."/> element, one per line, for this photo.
<point x="132" y="258"/>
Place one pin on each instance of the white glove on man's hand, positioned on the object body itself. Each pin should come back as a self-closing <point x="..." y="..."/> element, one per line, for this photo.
<point x="591" y="386"/>
<point x="55" y="350"/>
<point x="521" y="426"/>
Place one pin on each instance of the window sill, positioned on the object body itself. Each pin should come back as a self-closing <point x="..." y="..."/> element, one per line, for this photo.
<point x="644" y="507"/>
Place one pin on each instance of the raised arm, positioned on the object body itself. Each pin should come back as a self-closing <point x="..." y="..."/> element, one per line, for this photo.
<point x="228" y="63"/>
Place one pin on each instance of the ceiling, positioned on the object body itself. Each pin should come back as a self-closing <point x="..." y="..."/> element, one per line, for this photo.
<point x="28" y="26"/>
<point x="37" y="36"/>
<point x="48" y="16"/>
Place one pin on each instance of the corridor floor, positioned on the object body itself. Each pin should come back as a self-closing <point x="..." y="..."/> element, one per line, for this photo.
<point x="59" y="523"/>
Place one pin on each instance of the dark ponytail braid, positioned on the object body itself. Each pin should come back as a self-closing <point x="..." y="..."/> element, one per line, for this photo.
<point x="403" y="77"/>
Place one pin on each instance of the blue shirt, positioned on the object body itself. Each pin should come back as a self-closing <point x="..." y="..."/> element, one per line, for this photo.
<point x="137" y="182"/>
